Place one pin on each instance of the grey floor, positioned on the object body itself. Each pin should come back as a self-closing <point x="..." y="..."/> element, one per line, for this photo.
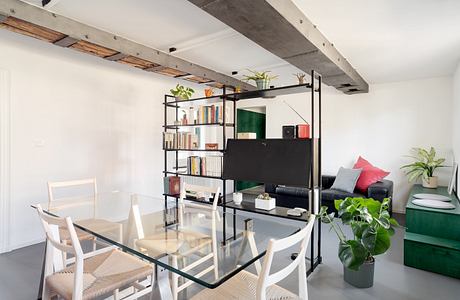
<point x="20" y="273"/>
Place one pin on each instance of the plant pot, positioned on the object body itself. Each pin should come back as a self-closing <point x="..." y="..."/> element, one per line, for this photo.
<point x="178" y="98"/>
<point x="263" y="84"/>
<point x="430" y="183"/>
<point x="265" y="204"/>
<point x="363" y="278"/>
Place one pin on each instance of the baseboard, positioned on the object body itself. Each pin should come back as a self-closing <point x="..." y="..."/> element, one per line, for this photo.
<point x="26" y="244"/>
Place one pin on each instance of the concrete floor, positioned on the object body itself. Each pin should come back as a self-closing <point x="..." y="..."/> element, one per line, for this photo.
<point x="20" y="273"/>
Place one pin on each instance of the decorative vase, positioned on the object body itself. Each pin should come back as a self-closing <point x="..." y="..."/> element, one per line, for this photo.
<point x="430" y="183"/>
<point x="262" y="84"/>
<point x="363" y="278"/>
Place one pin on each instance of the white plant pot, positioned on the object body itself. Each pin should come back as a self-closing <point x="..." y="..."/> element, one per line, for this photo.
<point x="266" y="204"/>
<point x="431" y="182"/>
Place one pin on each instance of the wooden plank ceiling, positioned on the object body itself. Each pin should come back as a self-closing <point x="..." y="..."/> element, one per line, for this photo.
<point x="135" y="55"/>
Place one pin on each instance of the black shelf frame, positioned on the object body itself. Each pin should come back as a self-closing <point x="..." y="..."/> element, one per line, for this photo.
<point x="314" y="94"/>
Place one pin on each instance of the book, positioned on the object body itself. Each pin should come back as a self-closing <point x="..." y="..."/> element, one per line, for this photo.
<point x="247" y="135"/>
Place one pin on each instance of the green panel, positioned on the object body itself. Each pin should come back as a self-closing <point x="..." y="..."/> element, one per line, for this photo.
<point x="249" y="121"/>
<point x="434" y="258"/>
<point x="433" y="222"/>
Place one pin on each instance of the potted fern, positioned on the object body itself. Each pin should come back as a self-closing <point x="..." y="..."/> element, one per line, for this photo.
<point x="372" y="229"/>
<point x="424" y="166"/>
<point x="262" y="79"/>
<point x="182" y="93"/>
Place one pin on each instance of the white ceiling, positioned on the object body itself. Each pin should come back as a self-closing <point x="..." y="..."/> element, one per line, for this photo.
<point x="385" y="40"/>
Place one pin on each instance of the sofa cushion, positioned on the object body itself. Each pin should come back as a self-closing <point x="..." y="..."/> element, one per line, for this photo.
<point x="346" y="180"/>
<point x="369" y="175"/>
<point x="292" y="191"/>
<point x="331" y="195"/>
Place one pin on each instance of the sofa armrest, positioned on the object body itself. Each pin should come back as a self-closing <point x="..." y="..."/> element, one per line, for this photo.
<point x="327" y="181"/>
<point x="270" y="188"/>
<point x="380" y="190"/>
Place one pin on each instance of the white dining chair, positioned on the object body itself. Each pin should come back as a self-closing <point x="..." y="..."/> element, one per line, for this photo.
<point x="107" y="271"/>
<point x="246" y="285"/>
<point x="196" y="242"/>
<point x="99" y="225"/>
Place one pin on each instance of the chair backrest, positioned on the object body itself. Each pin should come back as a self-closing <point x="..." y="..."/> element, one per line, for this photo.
<point x="68" y="184"/>
<point x="55" y="248"/>
<point x="266" y="279"/>
<point x="200" y="189"/>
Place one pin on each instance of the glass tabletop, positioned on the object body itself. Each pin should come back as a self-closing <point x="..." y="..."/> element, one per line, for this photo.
<point x="184" y="239"/>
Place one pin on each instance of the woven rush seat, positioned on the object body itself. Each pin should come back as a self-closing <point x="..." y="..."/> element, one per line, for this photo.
<point x="102" y="274"/>
<point x="243" y="286"/>
<point x="95" y="225"/>
<point x="172" y="241"/>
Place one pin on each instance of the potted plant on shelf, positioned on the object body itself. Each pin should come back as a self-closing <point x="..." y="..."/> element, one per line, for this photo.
<point x="262" y="79"/>
<point x="182" y="93"/>
<point x="424" y="166"/>
<point x="265" y="202"/>
<point x="372" y="229"/>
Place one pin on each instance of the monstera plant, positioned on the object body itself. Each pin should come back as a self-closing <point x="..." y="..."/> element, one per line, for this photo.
<point x="372" y="228"/>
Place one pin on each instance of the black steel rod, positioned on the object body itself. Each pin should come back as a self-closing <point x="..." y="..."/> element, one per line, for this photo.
<point x="320" y="182"/>
<point x="224" y="188"/>
<point x="312" y="170"/>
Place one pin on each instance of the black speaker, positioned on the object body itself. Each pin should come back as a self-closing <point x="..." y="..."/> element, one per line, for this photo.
<point x="288" y="132"/>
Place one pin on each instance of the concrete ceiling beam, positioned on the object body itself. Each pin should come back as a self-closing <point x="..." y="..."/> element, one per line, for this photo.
<point x="283" y="29"/>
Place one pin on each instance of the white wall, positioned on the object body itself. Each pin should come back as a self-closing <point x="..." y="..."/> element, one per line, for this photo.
<point x="456" y="118"/>
<point x="381" y="126"/>
<point x="76" y="116"/>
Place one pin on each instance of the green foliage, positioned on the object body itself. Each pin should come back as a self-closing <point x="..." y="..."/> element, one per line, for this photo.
<point x="370" y="223"/>
<point x="182" y="92"/>
<point x="259" y="76"/>
<point x="425" y="164"/>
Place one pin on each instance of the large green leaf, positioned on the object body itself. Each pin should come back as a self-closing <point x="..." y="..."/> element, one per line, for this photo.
<point x="358" y="229"/>
<point x="352" y="254"/>
<point x="376" y="241"/>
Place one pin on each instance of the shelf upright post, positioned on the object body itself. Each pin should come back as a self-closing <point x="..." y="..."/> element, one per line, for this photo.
<point x="312" y="169"/>
<point x="234" y="181"/>
<point x="224" y="145"/>
<point x="165" y="152"/>
<point x="177" y="152"/>
<point x="320" y="179"/>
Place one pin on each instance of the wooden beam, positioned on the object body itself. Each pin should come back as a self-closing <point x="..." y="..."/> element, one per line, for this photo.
<point x="283" y="29"/>
<point x="32" y="30"/>
<point x="89" y="36"/>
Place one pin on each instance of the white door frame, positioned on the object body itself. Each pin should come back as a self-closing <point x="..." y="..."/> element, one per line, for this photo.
<point x="5" y="160"/>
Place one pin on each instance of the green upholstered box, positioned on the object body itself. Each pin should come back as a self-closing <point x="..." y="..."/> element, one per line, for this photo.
<point x="432" y="254"/>
<point x="432" y="239"/>
<point x="430" y="221"/>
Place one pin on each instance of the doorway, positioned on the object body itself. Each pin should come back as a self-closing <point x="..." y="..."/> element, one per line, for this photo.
<point x="251" y="119"/>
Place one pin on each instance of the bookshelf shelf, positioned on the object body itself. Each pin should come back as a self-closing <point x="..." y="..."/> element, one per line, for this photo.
<point x="196" y="125"/>
<point x="192" y="150"/>
<point x="191" y="175"/>
<point x="267" y="93"/>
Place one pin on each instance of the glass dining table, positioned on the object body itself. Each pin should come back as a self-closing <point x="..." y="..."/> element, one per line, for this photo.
<point x="183" y="243"/>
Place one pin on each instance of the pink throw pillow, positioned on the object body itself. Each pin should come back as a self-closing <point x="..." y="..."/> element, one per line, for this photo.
<point x="369" y="174"/>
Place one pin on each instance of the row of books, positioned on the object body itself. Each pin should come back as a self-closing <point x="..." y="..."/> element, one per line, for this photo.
<point x="181" y="140"/>
<point x="205" y="166"/>
<point x="206" y="114"/>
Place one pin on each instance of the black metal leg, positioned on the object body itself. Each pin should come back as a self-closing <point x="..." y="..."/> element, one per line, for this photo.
<point x="42" y="275"/>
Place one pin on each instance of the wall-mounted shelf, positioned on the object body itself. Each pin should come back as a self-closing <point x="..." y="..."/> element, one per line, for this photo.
<point x="197" y="125"/>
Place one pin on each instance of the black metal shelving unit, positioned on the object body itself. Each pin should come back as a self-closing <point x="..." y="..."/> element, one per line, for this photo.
<point x="313" y="89"/>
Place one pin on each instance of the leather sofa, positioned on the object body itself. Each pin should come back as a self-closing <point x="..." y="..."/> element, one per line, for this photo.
<point x="287" y="196"/>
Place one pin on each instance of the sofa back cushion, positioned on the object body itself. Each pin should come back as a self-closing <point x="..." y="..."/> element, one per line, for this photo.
<point x="346" y="180"/>
<point x="369" y="174"/>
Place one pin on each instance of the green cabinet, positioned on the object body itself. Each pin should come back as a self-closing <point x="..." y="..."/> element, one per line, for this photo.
<point x="432" y="239"/>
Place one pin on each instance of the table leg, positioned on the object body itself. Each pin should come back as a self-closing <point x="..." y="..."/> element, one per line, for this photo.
<point x="40" y="287"/>
<point x="161" y="289"/>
